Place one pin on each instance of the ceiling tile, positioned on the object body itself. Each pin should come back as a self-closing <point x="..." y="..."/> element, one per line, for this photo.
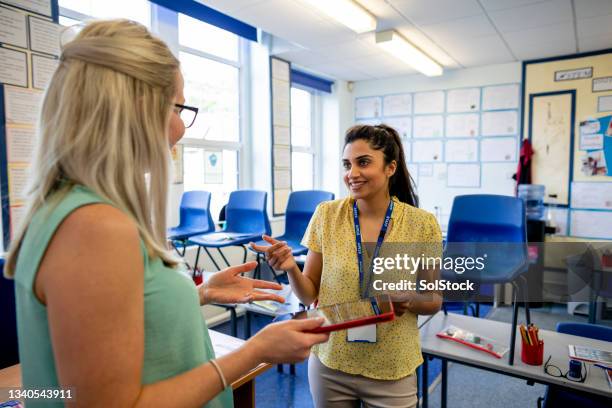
<point x="543" y="50"/>
<point x="586" y="44"/>
<point x="465" y="28"/>
<point x="557" y="33"/>
<point x="479" y="51"/>
<point x="595" y="27"/>
<point x="434" y="11"/>
<point x="592" y="8"/>
<point x="225" y="6"/>
<point x="532" y="15"/>
<point x="491" y="5"/>
<point x="348" y="50"/>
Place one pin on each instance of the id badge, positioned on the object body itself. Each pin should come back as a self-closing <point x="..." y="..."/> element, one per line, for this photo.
<point x="362" y="334"/>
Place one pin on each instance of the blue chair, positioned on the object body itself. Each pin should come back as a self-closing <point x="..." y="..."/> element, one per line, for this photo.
<point x="246" y="221"/>
<point x="562" y="397"/>
<point x="300" y="208"/>
<point x="194" y="219"/>
<point x="495" y="225"/>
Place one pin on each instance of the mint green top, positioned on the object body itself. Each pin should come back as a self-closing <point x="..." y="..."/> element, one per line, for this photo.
<point x="176" y="336"/>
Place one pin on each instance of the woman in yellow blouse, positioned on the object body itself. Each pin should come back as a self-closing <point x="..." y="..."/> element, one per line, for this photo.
<point x="375" y="365"/>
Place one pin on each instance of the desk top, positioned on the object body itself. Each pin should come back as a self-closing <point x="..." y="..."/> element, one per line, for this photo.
<point x="555" y="344"/>
<point x="222" y="344"/>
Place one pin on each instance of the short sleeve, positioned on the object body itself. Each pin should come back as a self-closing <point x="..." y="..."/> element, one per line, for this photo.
<point x="432" y="237"/>
<point x="313" y="237"/>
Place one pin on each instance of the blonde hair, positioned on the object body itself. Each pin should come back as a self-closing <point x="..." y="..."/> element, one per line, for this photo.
<point x="103" y="124"/>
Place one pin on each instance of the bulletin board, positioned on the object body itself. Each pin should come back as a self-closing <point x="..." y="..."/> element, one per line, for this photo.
<point x="29" y="52"/>
<point x="567" y="110"/>
<point x="457" y="141"/>
<point x="280" y="88"/>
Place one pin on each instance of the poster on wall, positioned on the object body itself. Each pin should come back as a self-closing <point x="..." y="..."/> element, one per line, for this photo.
<point x="596" y="146"/>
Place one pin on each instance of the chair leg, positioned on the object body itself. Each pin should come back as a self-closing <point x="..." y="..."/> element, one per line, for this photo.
<point x="211" y="258"/>
<point x="444" y="308"/>
<point x="525" y="290"/>
<point x="513" y="327"/>
<point x="245" y="253"/>
<point x="195" y="266"/>
<point x="224" y="258"/>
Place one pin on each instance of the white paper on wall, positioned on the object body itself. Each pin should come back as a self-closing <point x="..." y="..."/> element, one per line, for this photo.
<point x="367" y="107"/>
<point x="498" y="149"/>
<point x="428" y="126"/>
<point x="500" y="97"/>
<point x="429" y="102"/>
<point x="463" y="175"/>
<point x="499" y="123"/>
<point x="427" y="151"/>
<point x="594" y="195"/>
<point x="591" y="224"/>
<point x="397" y="105"/>
<point x="462" y="125"/>
<point x="403" y="125"/>
<point x="463" y="150"/>
<point x="463" y="100"/>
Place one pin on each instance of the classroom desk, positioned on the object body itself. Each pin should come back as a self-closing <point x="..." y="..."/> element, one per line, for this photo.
<point x="555" y="344"/>
<point x="244" y="387"/>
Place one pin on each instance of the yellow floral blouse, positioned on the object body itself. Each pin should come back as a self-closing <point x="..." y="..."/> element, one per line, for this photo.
<point x="397" y="351"/>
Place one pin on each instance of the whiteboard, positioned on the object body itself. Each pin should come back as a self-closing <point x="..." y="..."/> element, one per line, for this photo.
<point x="500" y="97"/>
<point x="498" y="149"/>
<point x="402" y="125"/>
<point x="499" y="123"/>
<point x="428" y="126"/>
<point x="427" y="151"/>
<point x="397" y="105"/>
<point x="367" y="107"/>
<point x="463" y="100"/>
<point x="462" y="125"/>
<point x="429" y="102"/>
<point x="464" y="150"/>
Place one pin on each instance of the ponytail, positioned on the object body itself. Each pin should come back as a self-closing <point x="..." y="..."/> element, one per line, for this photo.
<point x="385" y="138"/>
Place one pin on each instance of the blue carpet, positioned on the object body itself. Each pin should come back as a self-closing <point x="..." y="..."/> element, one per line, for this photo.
<point x="283" y="390"/>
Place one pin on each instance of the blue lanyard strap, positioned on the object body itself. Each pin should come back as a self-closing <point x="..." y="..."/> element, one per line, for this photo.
<point x="381" y="237"/>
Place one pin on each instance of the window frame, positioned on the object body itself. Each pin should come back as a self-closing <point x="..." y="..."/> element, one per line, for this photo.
<point x="315" y="134"/>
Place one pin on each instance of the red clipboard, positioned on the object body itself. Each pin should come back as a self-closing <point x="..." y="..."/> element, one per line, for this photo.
<point x="340" y="316"/>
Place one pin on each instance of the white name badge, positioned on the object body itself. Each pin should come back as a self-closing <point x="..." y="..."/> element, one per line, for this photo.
<point x="362" y="334"/>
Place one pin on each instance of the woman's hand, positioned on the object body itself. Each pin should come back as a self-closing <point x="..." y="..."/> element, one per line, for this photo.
<point x="278" y="254"/>
<point x="287" y="342"/>
<point x="227" y="286"/>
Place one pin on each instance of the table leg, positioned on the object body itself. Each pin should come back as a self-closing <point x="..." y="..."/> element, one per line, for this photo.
<point x="444" y="383"/>
<point x="247" y="324"/>
<point x="292" y="369"/>
<point x="244" y="396"/>
<point x="424" y="382"/>
<point x="234" y="323"/>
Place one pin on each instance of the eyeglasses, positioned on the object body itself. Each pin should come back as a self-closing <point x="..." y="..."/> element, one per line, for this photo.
<point x="186" y="113"/>
<point x="555" y="371"/>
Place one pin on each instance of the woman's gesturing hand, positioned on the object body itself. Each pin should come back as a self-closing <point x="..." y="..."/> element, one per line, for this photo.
<point x="278" y="253"/>
<point x="287" y="342"/>
<point x="228" y="286"/>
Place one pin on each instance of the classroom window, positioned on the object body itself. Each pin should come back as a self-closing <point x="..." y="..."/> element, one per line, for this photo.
<point x="211" y="169"/>
<point x="207" y="38"/>
<point x="81" y="10"/>
<point x="213" y="87"/>
<point x="302" y="155"/>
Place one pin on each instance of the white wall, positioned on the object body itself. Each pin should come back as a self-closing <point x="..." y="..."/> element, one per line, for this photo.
<point x="495" y="177"/>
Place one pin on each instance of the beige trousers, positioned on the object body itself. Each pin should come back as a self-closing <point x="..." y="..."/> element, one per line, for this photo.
<point x="336" y="389"/>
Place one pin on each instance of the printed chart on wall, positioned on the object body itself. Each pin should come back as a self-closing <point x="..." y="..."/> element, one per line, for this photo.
<point x="551" y="137"/>
<point x="280" y="72"/>
<point x="457" y="141"/>
<point x="29" y="50"/>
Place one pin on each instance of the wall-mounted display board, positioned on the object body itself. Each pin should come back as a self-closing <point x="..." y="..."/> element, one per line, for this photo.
<point x="280" y="78"/>
<point x="457" y="141"/>
<point x="567" y="115"/>
<point x="29" y="49"/>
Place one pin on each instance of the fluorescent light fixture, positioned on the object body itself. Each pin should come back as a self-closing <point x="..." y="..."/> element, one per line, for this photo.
<point x="400" y="48"/>
<point x="348" y="13"/>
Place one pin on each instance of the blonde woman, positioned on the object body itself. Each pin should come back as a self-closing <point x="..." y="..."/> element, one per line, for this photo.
<point x="102" y="305"/>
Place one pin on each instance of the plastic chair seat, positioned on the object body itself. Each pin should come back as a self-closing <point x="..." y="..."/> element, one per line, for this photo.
<point x="181" y="233"/>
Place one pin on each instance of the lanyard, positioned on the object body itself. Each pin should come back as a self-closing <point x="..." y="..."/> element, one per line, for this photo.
<point x="381" y="237"/>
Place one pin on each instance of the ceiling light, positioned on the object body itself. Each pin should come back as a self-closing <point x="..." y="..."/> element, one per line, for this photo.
<point x="400" y="48"/>
<point x="348" y="13"/>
